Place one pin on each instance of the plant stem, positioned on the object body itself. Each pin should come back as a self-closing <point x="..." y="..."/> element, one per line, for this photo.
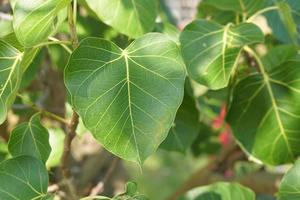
<point x="260" y="12"/>
<point x="41" y="110"/>
<point x="63" y="45"/>
<point x="53" y="42"/>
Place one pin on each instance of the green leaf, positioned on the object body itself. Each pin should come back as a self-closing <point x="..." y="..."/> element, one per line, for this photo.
<point x="23" y="178"/>
<point x="285" y="21"/>
<point x="290" y="184"/>
<point x="34" y="21"/>
<point x="127" y="98"/>
<point x="211" y="51"/>
<point x="130" y="17"/>
<point x="264" y="113"/>
<point x="185" y="128"/>
<point x="56" y="140"/>
<point x="30" y="138"/>
<point x="10" y="76"/>
<point x="246" y="7"/>
<point x="131" y="193"/>
<point x="169" y="30"/>
<point x="220" y="191"/>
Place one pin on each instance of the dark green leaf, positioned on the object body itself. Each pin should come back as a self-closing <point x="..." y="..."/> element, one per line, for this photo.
<point x="127" y="98"/>
<point x="211" y="51"/>
<point x="23" y="178"/>
<point x="130" y="17"/>
<point x="30" y="138"/>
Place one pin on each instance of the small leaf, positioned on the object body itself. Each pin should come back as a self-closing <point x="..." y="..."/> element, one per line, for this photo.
<point x="23" y="177"/>
<point x="264" y="113"/>
<point x="131" y="193"/>
<point x="127" y="98"/>
<point x="290" y="184"/>
<point x="130" y="17"/>
<point x="10" y="76"/>
<point x="30" y="138"/>
<point x="35" y="20"/>
<point x="211" y="51"/>
<point x="185" y="128"/>
<point x="220" y="191"/>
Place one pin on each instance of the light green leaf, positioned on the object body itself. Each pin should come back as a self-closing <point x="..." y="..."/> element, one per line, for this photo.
<point x="23" y="178"/>
<point x="185" y="128"/>
<point x="34" y="21"/>
<point x="130" y="193"/>
<point x="211" y="51"/>
<point x="290" y="184"/>
<point x="56" y="141"/>
<point x="246" y="7"/>
<point x="220" y="191"/>
<point x="264" y="114"/>
<point x="127" y="98"/>
<point x="130" y="17"/>
<point x="10" y="76"/>
<point x="30" y="138"/>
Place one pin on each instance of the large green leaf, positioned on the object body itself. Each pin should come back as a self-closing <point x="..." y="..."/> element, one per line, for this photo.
<point x="127" y="98"/>
<point x="30" y="138"/>
<point x="35" y="20"/>
<point x="285" y="21"/>
<point x="185" y="128"/>
<point x="290" y="184"/>
<point x="10" y="76"/>
<point x="130" y="17"/>
<point x="247" y="7"/>
<point x="23" y="178"/>
<point x="265" y="110"/>
<point x="220" y="191"/>
<point x="211" y="51"/>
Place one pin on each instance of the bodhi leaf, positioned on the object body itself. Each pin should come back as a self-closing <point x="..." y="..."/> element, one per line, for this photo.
<point x="10" y="76"/>
<point x="35" y="20"/>
<point x="130" y="17"/>
<point x="185" y="128"/>
<point x="220" y="191"/>
<point x="23" y="178"/>
<point x="211" y="51"/>
<point x="30" y="138"/>
<point x="264" y="113"/>
<point x="130" y="193"/>
<point x="290" y="184"/>
<point x="127" y="98"/>
<point x="285" y="21"/>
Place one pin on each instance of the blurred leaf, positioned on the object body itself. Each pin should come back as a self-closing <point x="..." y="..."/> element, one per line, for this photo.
<point x="130" y="17"/>
<point x="132" y="109"/>
<point x="220" y="191"/>
<point x="23" y="177"/>
<point x="31" y="139"/>
<point x="130" y="193"/>
<point x="185" y="128"/>
<point x="169" y="30"/>
<point x="211" y="51"/>
<point x="5" y="27"/>
<point x="56" y="140"/>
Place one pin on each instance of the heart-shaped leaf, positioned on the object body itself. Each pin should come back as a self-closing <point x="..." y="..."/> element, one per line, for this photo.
<point x="290" y="184"/>
<point x="30" y="138"/>
<point x="185" y="128"/>
<point x="127" y="98"/>
<point x="23" y="178"/>
<point x="130" y="17"/>
<point x="35" y="20"/>
<point x="264" y="113"/>
<point x="10" y="76"/>
<point x="220" y="191"/>
<point x="211" y="51"/>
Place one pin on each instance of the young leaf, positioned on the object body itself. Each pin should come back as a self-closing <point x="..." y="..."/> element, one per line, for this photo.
<point x="264" y="113"/>
<point x="30" y="138"/>
<point x="130" y="17"/>
<point x="10" y="76"/>
<point x="211" y="51"/>
<point x="130" y="193"/>
<point x="285" y="21"/>
<point x="220" y="191"/>
<point x="34" y="21"/>
<point x="23" y="177"/>
<point x="185" y="128"/>
<point x="127" y="98"/>
<point x="290" y="184"/>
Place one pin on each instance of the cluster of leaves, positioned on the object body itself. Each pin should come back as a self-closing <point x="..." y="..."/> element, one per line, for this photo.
<point x="136" y="98"/>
